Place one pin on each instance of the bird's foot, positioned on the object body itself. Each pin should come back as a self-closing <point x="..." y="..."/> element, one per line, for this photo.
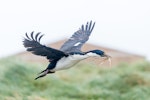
<point x="43" y="73"/>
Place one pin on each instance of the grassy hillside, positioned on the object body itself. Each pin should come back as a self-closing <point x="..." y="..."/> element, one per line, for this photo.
<point x="84" y="82"/>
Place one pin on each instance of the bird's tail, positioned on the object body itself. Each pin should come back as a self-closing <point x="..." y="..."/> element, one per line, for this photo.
<point x="44" y="73"/>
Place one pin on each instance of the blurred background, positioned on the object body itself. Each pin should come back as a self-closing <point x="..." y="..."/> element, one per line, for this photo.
<point x="122" y="30"/>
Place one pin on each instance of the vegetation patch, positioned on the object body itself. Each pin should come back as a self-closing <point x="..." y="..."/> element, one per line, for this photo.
<point x="83" y="82"/>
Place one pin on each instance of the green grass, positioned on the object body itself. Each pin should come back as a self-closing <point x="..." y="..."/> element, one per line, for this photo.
<point x="83" y="82"/>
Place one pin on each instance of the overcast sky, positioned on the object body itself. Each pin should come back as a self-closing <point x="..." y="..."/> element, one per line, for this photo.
<point x="120" y="24"/>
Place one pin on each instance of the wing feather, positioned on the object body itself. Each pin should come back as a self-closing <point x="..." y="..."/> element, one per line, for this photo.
<point x="40" y="38"/>
<point x="32" y="35"/>
<point x="36" y="37"/>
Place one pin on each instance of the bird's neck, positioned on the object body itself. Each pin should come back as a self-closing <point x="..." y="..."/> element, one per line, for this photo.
<point x="91" y="54"/>
<point x="78" y="56"/>
<point x="81" y="56"/>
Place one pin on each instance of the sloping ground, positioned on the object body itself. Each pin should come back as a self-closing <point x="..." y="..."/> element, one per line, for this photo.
<point x="83" y="82"/>
<point x="117" y="56"/>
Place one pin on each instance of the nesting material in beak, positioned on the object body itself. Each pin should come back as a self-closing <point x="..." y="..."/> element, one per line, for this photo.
<point x="107" y="57"/>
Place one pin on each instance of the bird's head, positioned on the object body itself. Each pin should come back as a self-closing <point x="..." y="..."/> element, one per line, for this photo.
<point x="97" y="53"/>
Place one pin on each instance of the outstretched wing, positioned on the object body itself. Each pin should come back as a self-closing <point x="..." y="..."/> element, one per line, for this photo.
<point x="33" y="45"/>
<point x="77" y="40"/>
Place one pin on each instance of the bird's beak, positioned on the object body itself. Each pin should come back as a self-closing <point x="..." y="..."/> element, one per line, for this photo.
<point x="107" y="56"/>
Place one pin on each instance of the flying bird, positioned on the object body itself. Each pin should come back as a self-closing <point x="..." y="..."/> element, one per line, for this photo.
<point x="68" y="55"/>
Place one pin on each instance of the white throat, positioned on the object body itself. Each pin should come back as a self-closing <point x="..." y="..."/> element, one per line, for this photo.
<point x="91" y="54"/>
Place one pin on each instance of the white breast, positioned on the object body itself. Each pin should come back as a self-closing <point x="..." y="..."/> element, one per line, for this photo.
<point x="67" y="62"/>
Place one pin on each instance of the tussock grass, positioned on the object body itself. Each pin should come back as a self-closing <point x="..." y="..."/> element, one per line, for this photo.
<point x="83" y="82"/>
